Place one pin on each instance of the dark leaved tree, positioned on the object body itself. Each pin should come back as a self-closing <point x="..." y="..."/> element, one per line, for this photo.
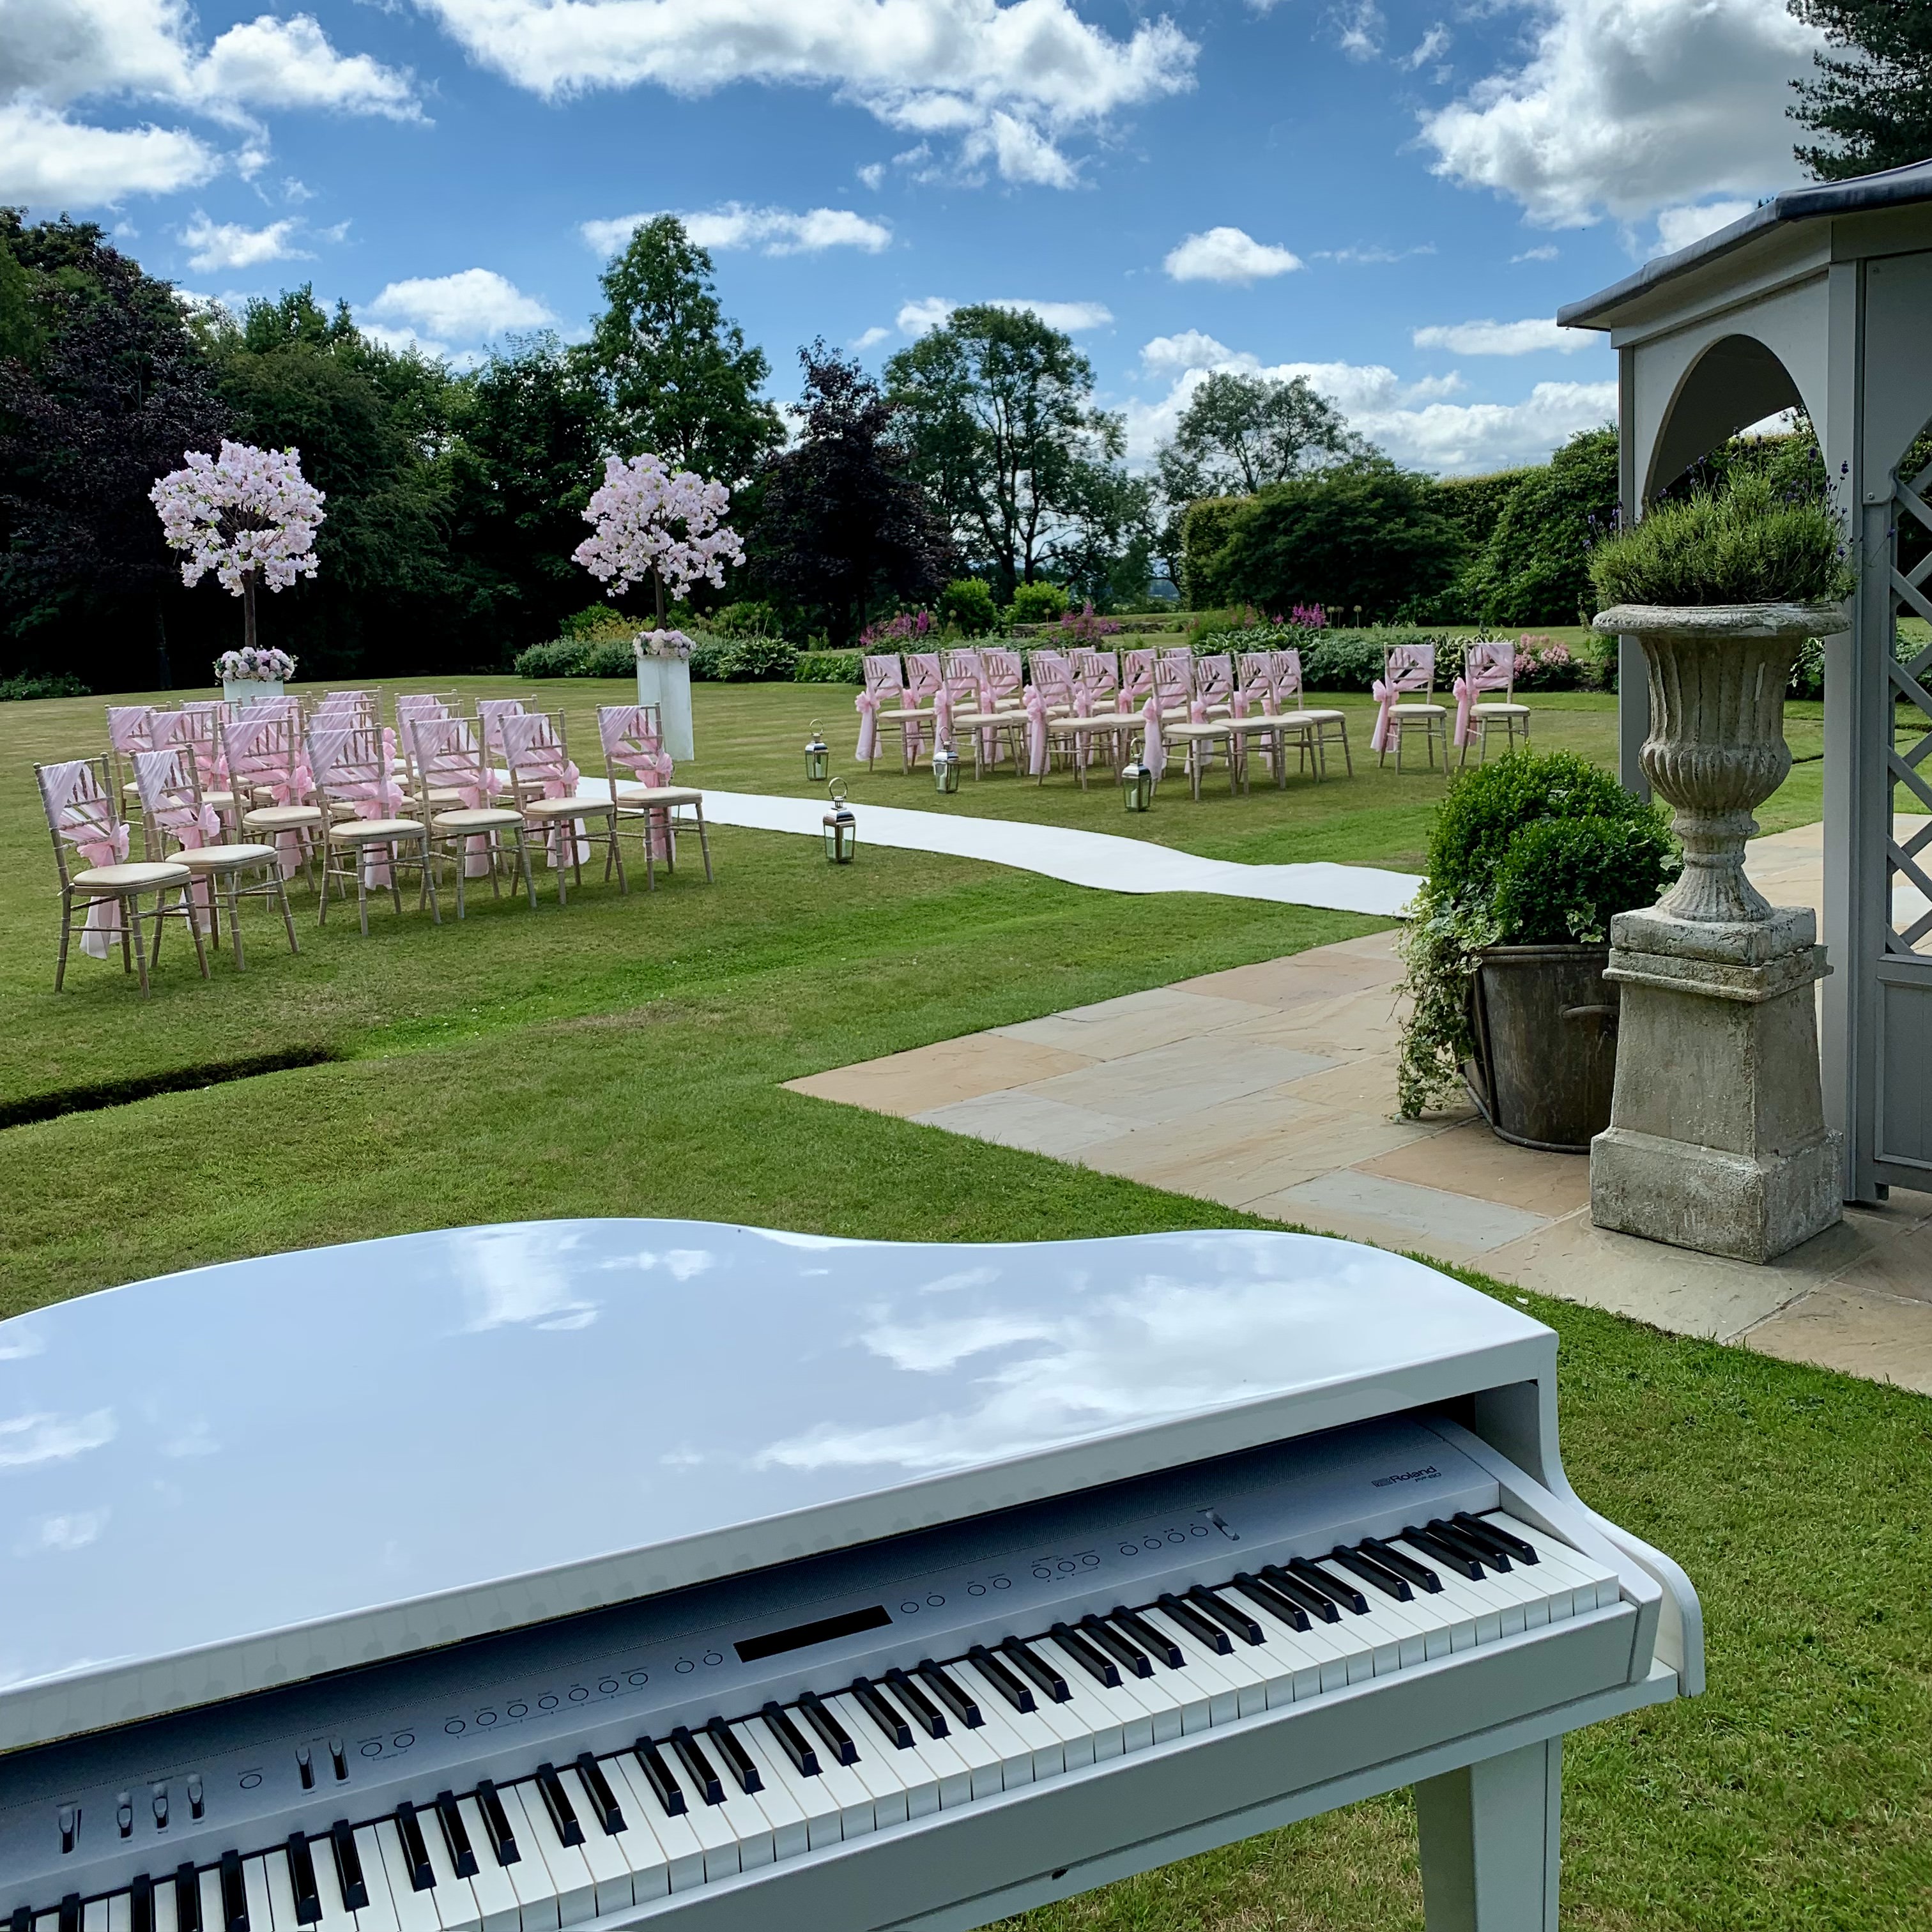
<point x="1871" y="101"/>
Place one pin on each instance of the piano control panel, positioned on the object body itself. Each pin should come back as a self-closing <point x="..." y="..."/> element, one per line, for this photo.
<point x="89" y="1813"/>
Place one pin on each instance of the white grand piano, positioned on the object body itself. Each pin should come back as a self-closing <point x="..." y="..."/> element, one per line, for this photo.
<point x="631" y="1573"/>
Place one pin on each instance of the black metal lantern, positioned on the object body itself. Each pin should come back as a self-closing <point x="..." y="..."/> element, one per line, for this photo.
<point x="841" y="827"/>
<point x="945" y="771"/>
<point x="1137" y="784"/>
<point x="818" y="757"/>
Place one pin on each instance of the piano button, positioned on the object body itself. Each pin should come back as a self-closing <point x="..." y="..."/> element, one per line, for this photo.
<point x="1087" y="1654"/>
<point x="924" y="1712"/>
<point x="457" y="1842"/>
<point x="1046" y="1676"/>
<point x="1402" y="1565"/>
<point x="1149" y="1639"/>
<point x="1281" y="1607"/>
<point x="831" y="1733"/>
<point x="1224" y="1610"/>
<point x="1387" y="1581"/>
<point x="187" y="1899"/>
<point x="965" y="1709"/>
<point x="660" y="1777"/>
<point x="817" y="1809"/>
<point x="1041" y="1740"/>
<point x="140" y="1907"/>
<point x="790" y="1739"/>
<point x="347" y="1856"/>
<point x="874" y="1769"/>
<point x="736" y="1760"/>
<point x="379" y="1914"/>
<point x="602" y="1800"/>
<point x="1492" y="1534"/>
<point x="887" y="1720"/>
<point x="638" y="1845"/>
<point x="683" y="1855"/>
<point x="1018" y="1694"/>
<point x="782" y="1813"/>
<point x="1132" y="1660"/>
<point x="490" y="1884"/>
<point x="1204" y="1666"/>
<point x="1480" y="1550"/>
<point x="415" y="1851"/>
<point x="1206" y="1632"/>
<point x="557" y="1807"/>
<point x="569" y="1876"/>
<point x="1439" y="1551"/>
<point x="1325" y="1583"/>
<point x="705" y="1781"/>
<point x="415" y="1910"/>
<point x="304" y="1894"/>
<point x="610" y="1869"/>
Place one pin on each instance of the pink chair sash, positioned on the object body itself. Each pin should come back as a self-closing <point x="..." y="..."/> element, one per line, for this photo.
<point x="531" y="745"/>
<point x="1035" y="700"/>
<point x="1486" y="666"/>
<point x="867" y="704"/>
<point x="1408" y="668"/>
<point x="1154" y="751"/>
<point x="87" y="825"/>
<point x="131" y="728"/>
<point x="631" y="740"/>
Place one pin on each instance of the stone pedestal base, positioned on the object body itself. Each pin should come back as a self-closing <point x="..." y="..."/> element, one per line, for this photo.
<point x="1716" y="1139"/>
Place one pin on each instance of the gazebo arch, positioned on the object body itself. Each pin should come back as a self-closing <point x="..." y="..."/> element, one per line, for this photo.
<point x="1823" y="297"/>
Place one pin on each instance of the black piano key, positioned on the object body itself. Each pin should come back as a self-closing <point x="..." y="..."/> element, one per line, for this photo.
<point x="1201" y="1628"/>
<point x="832" y="1733"/>
<point x="1484" y="1532"/>
<point x="1296" y="1592"/>
<point x="1090" y="1657"/>
<point x="665" y="1787"/>
<point x="455" y="1835"/>
<point x="1390" y="1558"/>
<point x="1150" y="1639"/>
<point x="1037" y="1667"/>
<point x="1386" y="1581"/>
<point x="1283" y="1609"/>
<point x="603" y="1799"/>
<point x="925" y="1713"/>
<point x="302" y="1880"/>
<point x="1002" y="1679"/>
<point x="1466" y="1545"/>
<point x="140" y="1904"/>
<point x="1132" y="1659"/>
<point x="1236" y="1618"/>
<point x="70" y="1909"/>
<point x="495" y="1822"/>
<point x="188" y="1899"/>
<point x="234" y="1894"/>
<point x="23" y="1920"/>
<point x="737" y="1759"/>
<point x="697" y="1766"/>
<point x="1327" y="1585"/>
<point x="865" y="1692"/>
<point x="949" y="1693"/>
<point x="415" y="1853"/>
<point x="1440" y="1550"/>
<point x="791" y="1740"/>
<point x="556" y="1802"/>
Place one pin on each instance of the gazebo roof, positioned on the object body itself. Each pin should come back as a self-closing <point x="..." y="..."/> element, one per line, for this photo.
<point x="1896" y="188"/>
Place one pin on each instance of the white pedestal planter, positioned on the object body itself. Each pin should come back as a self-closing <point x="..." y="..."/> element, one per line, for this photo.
<point x="247" y="690"/>
<point x="1716" y="1139"/>
<point x="666" y="682"/>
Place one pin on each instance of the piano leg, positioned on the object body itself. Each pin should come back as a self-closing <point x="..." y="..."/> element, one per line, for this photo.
<point x="1490" y="1843"/>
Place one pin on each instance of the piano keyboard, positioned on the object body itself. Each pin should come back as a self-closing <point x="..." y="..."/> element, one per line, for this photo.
<point x="611" y="1831"/>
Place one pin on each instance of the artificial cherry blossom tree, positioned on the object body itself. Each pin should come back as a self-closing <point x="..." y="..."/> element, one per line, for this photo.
<point x="249" y="515"/>
<point x="660" y="524"/>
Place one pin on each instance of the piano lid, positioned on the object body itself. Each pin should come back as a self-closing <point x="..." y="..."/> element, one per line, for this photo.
<point x="241" y="1475"/>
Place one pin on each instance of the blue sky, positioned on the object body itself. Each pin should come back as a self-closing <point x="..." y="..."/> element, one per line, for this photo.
<point x="1391" y="197"/>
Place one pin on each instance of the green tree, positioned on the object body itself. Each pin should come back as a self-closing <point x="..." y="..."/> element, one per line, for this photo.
<point x="1365" y="533"/>
<point x="1873" y="103"/>
<point x="678" y="377"/>
<point x="1239" y="433"/>
<point x="21" y="339"/>
<point x="1534" y="568"/>
<point x="997" y="409"/>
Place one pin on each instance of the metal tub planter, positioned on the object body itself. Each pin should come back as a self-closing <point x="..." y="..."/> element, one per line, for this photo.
<point x="1544" y="1021"/>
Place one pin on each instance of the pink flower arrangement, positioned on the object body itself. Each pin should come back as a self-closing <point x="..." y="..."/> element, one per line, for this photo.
<point x="656" y="525"/>
<point x="662" y="644"/>
<point x="252" y="665"/>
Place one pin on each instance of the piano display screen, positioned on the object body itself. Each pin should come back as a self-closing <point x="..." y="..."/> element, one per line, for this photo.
<point x="750" y="1648"/>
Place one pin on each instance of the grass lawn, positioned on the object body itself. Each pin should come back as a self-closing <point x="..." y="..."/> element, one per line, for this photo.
<point x="625" y="1057"/>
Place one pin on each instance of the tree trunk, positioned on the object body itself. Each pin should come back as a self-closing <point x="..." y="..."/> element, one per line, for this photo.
<point x="164" y="677"/>
<point x="248" y="609"/>
<point x="657" y="591"/>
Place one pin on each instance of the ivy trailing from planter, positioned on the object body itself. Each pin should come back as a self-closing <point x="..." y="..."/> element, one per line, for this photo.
<point x="1530" y="851"/>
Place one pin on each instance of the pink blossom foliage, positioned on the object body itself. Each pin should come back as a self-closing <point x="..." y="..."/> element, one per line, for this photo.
<point x="908" y="627"/>
<point x="251" y="664"/>
<point x="652" y="520"/>
<point x="1084" y="627"/>
<point x="1309" y="617"/>
<point x="248" y="514"/>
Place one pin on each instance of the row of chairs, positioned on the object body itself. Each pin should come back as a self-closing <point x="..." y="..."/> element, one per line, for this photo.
<point x="333" y="800"/>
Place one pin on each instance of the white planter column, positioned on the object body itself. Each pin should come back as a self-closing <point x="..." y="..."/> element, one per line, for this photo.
<point x="1716" y="1139"/>
<point x="666" y="682"/>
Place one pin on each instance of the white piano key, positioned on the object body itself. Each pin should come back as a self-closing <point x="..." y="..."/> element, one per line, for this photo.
<point x="1591" y="1583"/>
<point x="884" y="1758"/>
<point x="1204" y="1681"/>
<point x="1105" y="1725"/>
<point x="1075" y="1736"/>
<point x="526" y="1875"/>
<point x="683" y="1855"/>
<point x="415" y="1911"/>
<point x="1499" y="1587"/>
<point x="890" y="1805"/>
<point x="120" y="1912"/>
<point x="816" y="1809"/>
<point x="457" y="1910"/>
<point x="164" y="1904"/>
<point x="715" y="1838"/>
<point x="213" y="1919"/>
<point x="950" y="1771"/>
<point x="495" y="1897"/>
<point x="857" y="1813"/>
<point x="1299" y="1655"/>
<point x="610" y="1869"/>
<point x="1406" y="1624"/>
<point x="569" y="1875"/>
<point x="1452" y="1614"/>
<point x="1242" y="1692"/>
<point x="790" y="1836"/>
<point x="1014" y="1755"/>
<point x="281" y="1890"/>
<point x="756" y="1844"/>
<point x="1376" y="1631"/>
<point x="94" y="1915"/>
<point x="986" y="1771"/>
<point x="636" y="1844"/>
<point x="1042" y="1743"/>
<point x="379" y="1914"/>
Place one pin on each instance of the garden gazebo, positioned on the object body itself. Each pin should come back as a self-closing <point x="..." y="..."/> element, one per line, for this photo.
<point x="1822" y="297"/>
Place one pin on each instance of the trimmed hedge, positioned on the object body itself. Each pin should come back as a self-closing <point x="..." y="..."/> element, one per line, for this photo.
<point x="1205" y="527"/>
<point x="829" y="668"/>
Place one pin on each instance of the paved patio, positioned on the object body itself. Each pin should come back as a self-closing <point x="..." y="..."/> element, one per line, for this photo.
<point x="1270" y="1088"/>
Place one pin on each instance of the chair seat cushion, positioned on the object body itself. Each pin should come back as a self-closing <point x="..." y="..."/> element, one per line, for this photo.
<point x="1192" y="730"/>
<point x="224" y="858"/>
<point x="281" y="817"/>
<point x="629" y="793"/>
<point x="567" y="808"/>
<point x="359" y="831"/>
<point x="903" y="715"/>
<point x="446" y="798"/>
<point x="1499" y="710"/>
<point x="142" y="876"/>
<point x="478" y="818"/>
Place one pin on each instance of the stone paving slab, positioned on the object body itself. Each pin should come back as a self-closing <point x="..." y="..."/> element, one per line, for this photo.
<point x="1271" y="1088"/>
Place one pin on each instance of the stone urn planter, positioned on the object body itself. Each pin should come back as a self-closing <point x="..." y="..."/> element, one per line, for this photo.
<point x="1716" y="1139"/>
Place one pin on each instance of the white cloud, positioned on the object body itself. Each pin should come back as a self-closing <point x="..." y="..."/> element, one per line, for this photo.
<point x="1358" y="25"/>
<point x="1679" y="227"/>
<point x="1432" y="43"/>
<point x="776" y="231"/>
<point x="226" y="245"/>
<point x="1228" y="255"/>
<point x="268" y="62"/>
<point x="468" y="306"/>
<point x="1006" y="80"/>
<point x="915" y="318"/>
<point x="48" y="160"/>
<point x="1625" y="106"/>
<point x="871" y="338"/>
<point x="873" y="174"/>
<point x="1503" y="338"/>
<point x="1547" y="252"/>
